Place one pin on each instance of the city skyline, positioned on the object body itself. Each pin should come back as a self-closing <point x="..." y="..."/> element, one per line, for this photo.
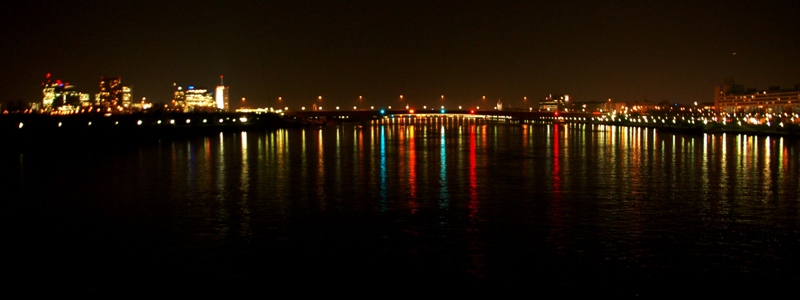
<point x="372" y="53"/>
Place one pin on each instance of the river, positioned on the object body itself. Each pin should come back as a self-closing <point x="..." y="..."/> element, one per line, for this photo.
<point x="438" y="203"/>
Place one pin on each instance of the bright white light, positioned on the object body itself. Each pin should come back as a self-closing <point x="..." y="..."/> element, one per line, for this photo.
<point x="139" y="122"/>
<point x="188" y="121"/>
<point x="20" y="124"/>
<point x="243" y="119"/>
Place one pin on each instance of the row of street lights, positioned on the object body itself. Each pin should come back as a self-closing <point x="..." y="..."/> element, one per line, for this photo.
<point x="361" y="98"/>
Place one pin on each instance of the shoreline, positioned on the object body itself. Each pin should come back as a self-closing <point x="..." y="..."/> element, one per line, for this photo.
<point x="36" y="128"/>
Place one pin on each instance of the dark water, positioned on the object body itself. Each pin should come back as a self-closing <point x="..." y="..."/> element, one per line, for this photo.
<point x="457" y="205"/>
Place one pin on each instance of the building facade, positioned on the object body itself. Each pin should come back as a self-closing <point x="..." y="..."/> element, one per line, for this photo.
<point x="110" y="95"/>
<point x="221" y="95"/>
<point x="58" y="95"/>
<point x="733" y="98"/>
<point x="554" y="103"/>
<point x="199" y="99"/>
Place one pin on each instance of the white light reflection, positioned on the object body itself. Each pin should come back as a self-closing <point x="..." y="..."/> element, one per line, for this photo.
<point x="444" y="197"/>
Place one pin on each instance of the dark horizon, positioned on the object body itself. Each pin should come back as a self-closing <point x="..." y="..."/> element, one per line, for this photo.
<point x="624" y="51"/>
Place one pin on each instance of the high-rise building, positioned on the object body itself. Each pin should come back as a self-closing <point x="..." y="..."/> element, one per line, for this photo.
<point x="178" y="97"/>
<point x="60" y="95"/>
<point x="51" y="90"/>
<point x="221" y="95"/>
<point x="110" y="91"/>
<point x="127" y="97"/>
<point x="198" y="99"/>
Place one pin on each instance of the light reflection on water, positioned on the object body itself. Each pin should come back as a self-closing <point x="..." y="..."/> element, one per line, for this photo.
<point x="462" y="199"/>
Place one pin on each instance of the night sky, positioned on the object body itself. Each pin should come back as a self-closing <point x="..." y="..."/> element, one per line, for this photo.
<point x="592" y="50"/>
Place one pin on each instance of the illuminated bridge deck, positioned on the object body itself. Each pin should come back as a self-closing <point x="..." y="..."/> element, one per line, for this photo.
<point x="373" y="114"/>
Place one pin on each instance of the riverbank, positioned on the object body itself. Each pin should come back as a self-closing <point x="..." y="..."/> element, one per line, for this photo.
<point x="24" y="129"/>
<point x="20" y="131"/>
<point x="792" y="131"/>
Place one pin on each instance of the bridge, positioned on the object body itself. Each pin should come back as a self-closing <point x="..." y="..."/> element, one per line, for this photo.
<point x="360" y="115"/>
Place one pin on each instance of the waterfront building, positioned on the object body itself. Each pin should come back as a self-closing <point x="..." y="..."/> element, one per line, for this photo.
<point x="59" y="95"/>
<point x="734" y="98"/>
<point x="178" y="97"/>
<point x="646" y="106"/>
<point x="199" y="99"/>
<point x="221" y="95"/>
<point x="126" y="97"/>
<point x="554" y="103"/>
<point x="86" y="100"/>
<point x="588" y="106"/>
<point x="110" y="95"/>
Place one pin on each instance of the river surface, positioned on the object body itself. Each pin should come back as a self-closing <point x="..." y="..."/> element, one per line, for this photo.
<point x="551" y="209"/>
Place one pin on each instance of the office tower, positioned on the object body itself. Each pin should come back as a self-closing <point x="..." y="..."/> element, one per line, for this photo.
<point x="221" y="96"/>
<point x="110" y="92"/>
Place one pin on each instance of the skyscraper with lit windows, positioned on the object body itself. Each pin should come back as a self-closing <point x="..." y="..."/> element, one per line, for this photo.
<point x="110" y="95"/>
<point x="221" y="96"/>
